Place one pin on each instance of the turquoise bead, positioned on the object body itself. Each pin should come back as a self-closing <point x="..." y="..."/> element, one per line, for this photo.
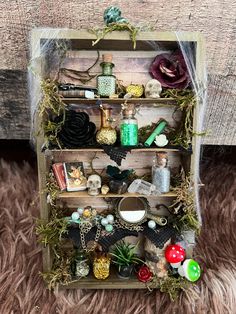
<point x="109" y="228"/>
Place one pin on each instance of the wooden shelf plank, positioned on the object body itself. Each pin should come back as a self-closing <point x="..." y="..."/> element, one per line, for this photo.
<point x="119" y="101"/>
<point x="84" y="194"/>
<point x="112" y="282"/>
<point x="133" y="150"/>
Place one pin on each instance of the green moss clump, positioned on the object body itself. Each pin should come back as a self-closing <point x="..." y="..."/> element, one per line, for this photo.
<point x="186" y="102"/>
<point x="51" y="108"/>
<point x="61" y="270"/>
<point x="100" y="33"/>
<point x="183" y="206"/>
<point x="170" y="285"/>
<point x="51" y="232"/>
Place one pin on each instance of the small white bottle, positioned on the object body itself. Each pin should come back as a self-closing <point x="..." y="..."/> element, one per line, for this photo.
<point x="161" y="173"/>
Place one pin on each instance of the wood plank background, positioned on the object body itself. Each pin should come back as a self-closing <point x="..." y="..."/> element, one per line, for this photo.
<point x="216" y="20"/>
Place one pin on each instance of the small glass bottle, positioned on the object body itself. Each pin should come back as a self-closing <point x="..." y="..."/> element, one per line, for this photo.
<point x="129" y="127"/>
<point x="80" y="266"/>
<point x="106" y="82"/>
<point x="107" y="134"/>
<point x="161" y="173"/>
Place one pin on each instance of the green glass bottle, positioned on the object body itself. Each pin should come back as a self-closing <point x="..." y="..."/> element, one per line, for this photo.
<point x="106" y="82"/>
<point x="129" y="127"/>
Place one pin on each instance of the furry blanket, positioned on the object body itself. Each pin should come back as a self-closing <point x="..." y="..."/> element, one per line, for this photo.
<point x="23" y="291"/>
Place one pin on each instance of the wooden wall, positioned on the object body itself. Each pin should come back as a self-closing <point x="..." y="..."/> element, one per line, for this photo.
<point x="215" y="19"/>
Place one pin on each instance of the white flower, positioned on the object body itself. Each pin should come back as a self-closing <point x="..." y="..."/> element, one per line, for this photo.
<point x="161" y="140"/>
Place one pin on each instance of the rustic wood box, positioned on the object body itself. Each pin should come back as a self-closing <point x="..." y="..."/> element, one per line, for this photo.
<point x="131" y="65"/>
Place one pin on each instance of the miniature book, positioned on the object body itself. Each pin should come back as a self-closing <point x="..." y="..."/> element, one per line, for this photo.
<point x="59" y="174"/>
<point x="75" y="177"/>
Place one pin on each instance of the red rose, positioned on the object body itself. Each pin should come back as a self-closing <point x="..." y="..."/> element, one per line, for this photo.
<point x="170" y="70"/>
<point x="144" y="274"/>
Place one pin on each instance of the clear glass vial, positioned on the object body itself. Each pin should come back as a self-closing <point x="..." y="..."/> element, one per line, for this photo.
<point x="161" y="173"/>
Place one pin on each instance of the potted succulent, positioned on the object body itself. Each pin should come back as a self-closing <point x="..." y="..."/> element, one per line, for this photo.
<point x="125" y="258"/>
<point x="118" y="179"/>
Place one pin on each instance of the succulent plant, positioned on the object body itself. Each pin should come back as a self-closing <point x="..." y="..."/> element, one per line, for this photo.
<point x="124" y="254"/>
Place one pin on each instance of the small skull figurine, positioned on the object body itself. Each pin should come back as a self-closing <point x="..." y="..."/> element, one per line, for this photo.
<point x="94" y="184"/>
<point x="153" y="89"/>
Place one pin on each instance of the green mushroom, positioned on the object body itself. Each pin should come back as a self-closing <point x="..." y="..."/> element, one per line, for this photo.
<point x="111" y="14"/>
<point x="190" y="270"/>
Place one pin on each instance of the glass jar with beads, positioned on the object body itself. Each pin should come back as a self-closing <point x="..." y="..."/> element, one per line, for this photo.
<point x="106" y="82"/>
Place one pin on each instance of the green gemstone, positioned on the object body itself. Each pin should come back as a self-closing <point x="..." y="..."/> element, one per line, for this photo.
<point x="111" y="14"/>
<point x="109" y="228"/>
<point x="193" y="270"/>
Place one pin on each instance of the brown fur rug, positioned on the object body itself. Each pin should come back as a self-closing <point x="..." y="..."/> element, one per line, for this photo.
<point x="23" y="291"/>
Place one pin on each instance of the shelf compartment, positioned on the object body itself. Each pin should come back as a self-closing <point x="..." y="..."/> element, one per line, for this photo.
<point x="84" y="194"/>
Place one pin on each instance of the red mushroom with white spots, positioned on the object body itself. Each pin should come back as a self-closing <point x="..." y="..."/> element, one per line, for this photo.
<point x="174" y="255"/>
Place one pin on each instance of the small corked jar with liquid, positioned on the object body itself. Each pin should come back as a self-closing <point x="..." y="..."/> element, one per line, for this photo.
<point x="161" y="173"/>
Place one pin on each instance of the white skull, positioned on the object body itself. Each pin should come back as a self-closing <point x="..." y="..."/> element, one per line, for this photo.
<point x="94" y="183"/>
<point x="153" y="89"/>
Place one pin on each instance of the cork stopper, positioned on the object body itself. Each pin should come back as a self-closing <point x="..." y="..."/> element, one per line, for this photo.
<point x="107" y="57"/>
<point x="129" y="110"/>
<point x="161" y="159"/>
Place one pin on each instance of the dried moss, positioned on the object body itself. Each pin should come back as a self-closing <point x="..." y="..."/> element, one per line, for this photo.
<point x="52" y="188"/>
<point x="170" y="285"/>
<point x="61" y="270"/>
<point x="186" y="217"/>
<point x="50" y="108"/>
<point x="100" y="33"/>
<point x="145" y="131"/>
<point x="51" y="232"/>
<point x="186" y="101"/>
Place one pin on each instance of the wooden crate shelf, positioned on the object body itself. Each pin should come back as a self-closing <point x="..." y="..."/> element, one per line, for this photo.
<point x="82" y="56"/>
<point x="84" y="194"/>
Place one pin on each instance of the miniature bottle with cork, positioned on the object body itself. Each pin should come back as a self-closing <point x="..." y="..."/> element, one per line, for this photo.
<point x="129" y="126"/>
<point x="80" y="265"/>
<point x="106" y="82"/>
<point x="107" y="134"/>
<point x="161" y="173"/>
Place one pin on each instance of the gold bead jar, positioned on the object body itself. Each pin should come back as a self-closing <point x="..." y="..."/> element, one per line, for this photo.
<point x="107" y="134"/>
<point x="101" y="266"/>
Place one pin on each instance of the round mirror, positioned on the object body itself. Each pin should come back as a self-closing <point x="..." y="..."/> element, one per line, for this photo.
<point x="132" y="210"/>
